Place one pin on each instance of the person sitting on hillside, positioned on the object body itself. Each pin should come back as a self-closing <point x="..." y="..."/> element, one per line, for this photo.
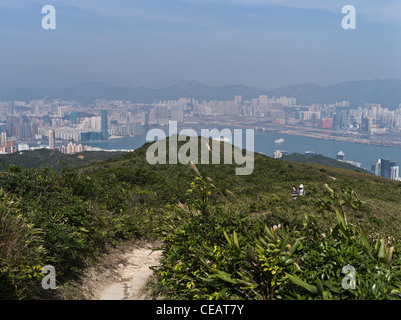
<point x="294" y="192"/>
<point x="301" y="190"/>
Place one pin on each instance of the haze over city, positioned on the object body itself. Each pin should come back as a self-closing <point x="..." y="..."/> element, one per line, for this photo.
<point x="271" y="65"/>
<point x="260" y="43"/>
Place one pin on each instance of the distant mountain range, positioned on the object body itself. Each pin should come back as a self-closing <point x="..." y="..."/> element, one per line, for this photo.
<point x="91" y="90"/>
<point x="386" y="92"/>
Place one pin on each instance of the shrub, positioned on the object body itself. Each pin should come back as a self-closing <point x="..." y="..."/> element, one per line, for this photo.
<point x="230" y="255"/>
<point x="22" y="252"/>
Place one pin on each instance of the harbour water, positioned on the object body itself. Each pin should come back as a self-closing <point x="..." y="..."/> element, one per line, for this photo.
<point x="264" y="143"/>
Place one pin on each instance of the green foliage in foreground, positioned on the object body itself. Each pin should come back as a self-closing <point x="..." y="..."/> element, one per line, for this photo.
<point x="59" y="220"/>
<point x="212" y="251"/>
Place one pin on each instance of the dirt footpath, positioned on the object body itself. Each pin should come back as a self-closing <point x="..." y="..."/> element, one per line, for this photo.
<point x="123" y="275"/>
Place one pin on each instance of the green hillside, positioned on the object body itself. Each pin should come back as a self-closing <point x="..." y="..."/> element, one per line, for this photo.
<point x="271" y="179"/>
<point x="42" y="158"/>
<point x="224" y="236"/>
<point x="320" y="159"/>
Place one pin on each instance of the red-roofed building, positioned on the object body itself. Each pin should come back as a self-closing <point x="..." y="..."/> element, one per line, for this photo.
<point x="327" y="123"/>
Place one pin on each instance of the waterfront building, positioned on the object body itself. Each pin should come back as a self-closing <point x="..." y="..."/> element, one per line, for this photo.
<point x="104" y="127"/>
<point x="353" y="163"/>
<point x="386" y="165"/>
<point x="327" y="123"/>
<point x="72" y="148"/>
<point x="51" y="139"/>
<point x="386" y="168"/>
<point x="278" y="154"/>
<point x="365" y="125"/>
<point x="23" y="147"/>
<point x="376" y="167"/>
<point x="340" y="156"/>
<point x="394" y="172"/>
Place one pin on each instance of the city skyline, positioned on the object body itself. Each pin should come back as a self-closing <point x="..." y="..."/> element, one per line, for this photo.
<point x="264" y="44"/>
<point x="76" y="71"/>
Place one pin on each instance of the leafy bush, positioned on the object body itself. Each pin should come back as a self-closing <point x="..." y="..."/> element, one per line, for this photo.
<point x="233" y="237"/>
<point x="211" y="251"/>
<point x="62" y="220"/>
<point x="21" y="252"/>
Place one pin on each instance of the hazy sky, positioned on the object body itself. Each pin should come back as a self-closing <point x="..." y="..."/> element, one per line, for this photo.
<point x="262" y="43"/>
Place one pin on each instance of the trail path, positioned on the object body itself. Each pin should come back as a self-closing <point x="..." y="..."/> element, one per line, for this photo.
<point x="123" y="275"/>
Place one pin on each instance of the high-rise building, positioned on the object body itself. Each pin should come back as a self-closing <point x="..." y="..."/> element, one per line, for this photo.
<point x="135" y="128"/>
<point x="11" y="122"/>
<point x="278" y="154"/>
<point x="177" y="114"/>
<point x="51" y="140"/>
<point x="376" y="167"/>
<point x="146" y="120"/>
<point x="365" y="125"/>
<point x="161" y="112"/>
<point x="238" y="99"/>
<point x="340" y="119"/>
<point x="3" y="138"/>
<point x="62" y="111"/>
<point x="394" y="172"/>
<point x="385" y="168"/>
<point x="73" y="117"/>
<point x="104" y="127"/>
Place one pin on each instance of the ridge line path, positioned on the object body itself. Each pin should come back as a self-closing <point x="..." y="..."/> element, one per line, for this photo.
<point x="123" y="274"/>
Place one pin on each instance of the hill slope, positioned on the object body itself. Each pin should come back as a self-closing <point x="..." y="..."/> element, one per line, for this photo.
<point x="219" y="230"/>
<point x="320" y="159"/>
<point x="271" y="179"/>
<point x="244" y="237"/>
<point x="46" y="158"/>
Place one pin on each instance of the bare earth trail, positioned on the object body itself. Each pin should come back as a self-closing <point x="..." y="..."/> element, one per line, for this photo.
<point x="123" y="275"/>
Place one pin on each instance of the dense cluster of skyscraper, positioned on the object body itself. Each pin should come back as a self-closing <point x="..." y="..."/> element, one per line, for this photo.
<point x="58" y="122"/>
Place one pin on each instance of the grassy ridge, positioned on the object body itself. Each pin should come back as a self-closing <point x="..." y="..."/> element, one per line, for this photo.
<point x="266" y="190"/>
<point x="320" y="159"/>
<point x="46" y="158"/>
